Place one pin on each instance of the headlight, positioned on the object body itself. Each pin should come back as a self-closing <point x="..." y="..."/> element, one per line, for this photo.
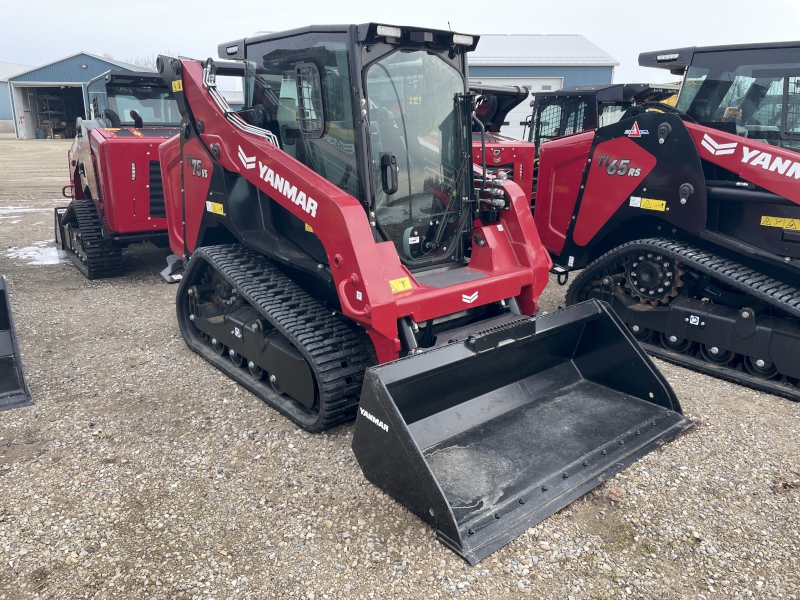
<point x="463" y="40"/>
<point x="385" y="30"/>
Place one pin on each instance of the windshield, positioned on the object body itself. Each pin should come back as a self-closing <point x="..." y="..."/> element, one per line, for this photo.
<point x="155" y="105"/>
<point x="414" y="117"/>
<point x="751" y="93"/>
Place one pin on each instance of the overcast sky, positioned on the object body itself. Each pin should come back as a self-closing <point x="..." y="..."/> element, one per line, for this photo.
<point x="623" y="29"/>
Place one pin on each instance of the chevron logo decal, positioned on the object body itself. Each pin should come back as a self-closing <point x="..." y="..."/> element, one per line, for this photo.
<point x="716" y="148"/>
<point x="249" y="162"/>
<point x="469" y="299"/>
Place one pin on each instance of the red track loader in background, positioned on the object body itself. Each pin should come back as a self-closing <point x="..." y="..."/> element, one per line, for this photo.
<point x="506" y="157"/>
<point x="687" y="219"/>
<point x="336" y="223"/>
<point x="116" y="191"/>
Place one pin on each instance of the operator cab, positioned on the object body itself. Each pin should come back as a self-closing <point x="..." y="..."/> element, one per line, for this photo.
<point x="383" y="113"/>
<point x="750" y="90"/>
<point x="125" y="99"/>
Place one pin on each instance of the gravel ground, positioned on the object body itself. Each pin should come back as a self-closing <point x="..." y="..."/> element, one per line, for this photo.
<point x="142" y="472"/>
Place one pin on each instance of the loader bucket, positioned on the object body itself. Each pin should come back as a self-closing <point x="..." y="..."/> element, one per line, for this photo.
<point x="487" y="436"/>
<point x="14" y="391"/>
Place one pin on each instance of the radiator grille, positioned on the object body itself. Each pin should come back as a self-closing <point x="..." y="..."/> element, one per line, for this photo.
<point x="157" y="207"/>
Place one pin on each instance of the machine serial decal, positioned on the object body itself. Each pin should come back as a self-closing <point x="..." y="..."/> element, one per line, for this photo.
<point x="786" y="167"/>
<point x="215" y="207"/>
<point x="374" y="419"/>
<point x="649" y="203"/>
<point x="635" y="131"/>
<point x="249" y="162"/>
<point x="400" y="285"/>
<point x="716" y="148"/>
<point x="618" y="166"/>
<point x="781" y="223"/>
<point x="469" y="299"/>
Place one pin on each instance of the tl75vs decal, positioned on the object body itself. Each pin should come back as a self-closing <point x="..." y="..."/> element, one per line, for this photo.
<point x="618" y="166"/>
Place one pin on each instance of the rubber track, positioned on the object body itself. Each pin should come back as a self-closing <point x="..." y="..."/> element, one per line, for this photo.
<point x="98" y="264"/>
<point x="324" y="338"/>
<point x="750" y="281"/>
<point x="745" y="279"/>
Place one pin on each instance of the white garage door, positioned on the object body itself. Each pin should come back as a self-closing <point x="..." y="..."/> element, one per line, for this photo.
<point x="521" y="112"/>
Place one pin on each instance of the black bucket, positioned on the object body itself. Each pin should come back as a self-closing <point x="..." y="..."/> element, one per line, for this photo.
<point x="488" y="436"/>
<point x="14" y="391"/>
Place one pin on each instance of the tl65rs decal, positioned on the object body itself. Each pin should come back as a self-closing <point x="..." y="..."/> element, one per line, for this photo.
<point x="618" y="166"/>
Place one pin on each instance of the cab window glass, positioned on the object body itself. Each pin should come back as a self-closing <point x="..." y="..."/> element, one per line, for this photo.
<point x="303" y="96"/>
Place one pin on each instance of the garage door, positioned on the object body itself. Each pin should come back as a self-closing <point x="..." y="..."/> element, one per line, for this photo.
<point x="521" y="112"/>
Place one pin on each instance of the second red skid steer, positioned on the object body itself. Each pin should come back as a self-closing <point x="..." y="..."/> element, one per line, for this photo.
<point x="341" y="250"/>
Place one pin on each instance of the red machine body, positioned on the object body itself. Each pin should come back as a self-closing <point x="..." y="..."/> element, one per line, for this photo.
<point x="126" y="186"/>
<point x="116" y="188"/>
<point x="512" y="156"/>
<point x="375" y="288"/>
<point x="686" y="219"/>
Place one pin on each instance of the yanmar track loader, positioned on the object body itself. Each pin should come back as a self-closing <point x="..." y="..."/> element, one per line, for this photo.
<point x="336" y="223"/>
<point x="116" y="190"/>
<point x="687" y="219"/>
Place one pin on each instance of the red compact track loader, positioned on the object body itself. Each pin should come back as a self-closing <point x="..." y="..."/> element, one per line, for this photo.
<point x="687" y="219"/>
<point x="116" y="191"/>
<point x="344" y="260"/>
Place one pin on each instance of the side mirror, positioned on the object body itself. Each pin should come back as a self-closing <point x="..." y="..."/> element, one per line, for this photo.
<point x="389" y="181"/>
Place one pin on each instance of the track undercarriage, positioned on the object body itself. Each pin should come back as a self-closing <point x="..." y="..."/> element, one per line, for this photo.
<point x="242" y="314"/>
<point x="81" y="237"/>
<point x="694" y="308"/>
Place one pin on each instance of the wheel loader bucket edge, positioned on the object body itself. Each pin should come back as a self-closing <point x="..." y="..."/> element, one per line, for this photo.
<point x="14" y="391"/>
<point x="491" y="434"/>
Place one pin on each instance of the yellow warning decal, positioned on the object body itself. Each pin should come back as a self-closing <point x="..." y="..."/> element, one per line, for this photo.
<point x="781" y="223"/>
<point x="400" y="285"/>
<point x="649" y="203"/>
<point x="177" y="85"/>
<point x="308" y="228"/>
<point x="215" y="207"/>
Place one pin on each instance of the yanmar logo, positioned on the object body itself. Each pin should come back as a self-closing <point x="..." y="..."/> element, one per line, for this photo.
<point x="469" y="299"/>
<point x="249" y="162"/>
<point x="784" y="166"/>
<point x="374" y="419"/>
<point x="716" y="148"/>
<point x="290" y="191"/>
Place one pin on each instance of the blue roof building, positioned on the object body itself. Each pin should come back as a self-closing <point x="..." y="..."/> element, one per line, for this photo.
<point x="45" y="101"/>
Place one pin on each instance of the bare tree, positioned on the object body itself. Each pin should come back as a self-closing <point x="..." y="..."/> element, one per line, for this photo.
<point x="149" y="62"/>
